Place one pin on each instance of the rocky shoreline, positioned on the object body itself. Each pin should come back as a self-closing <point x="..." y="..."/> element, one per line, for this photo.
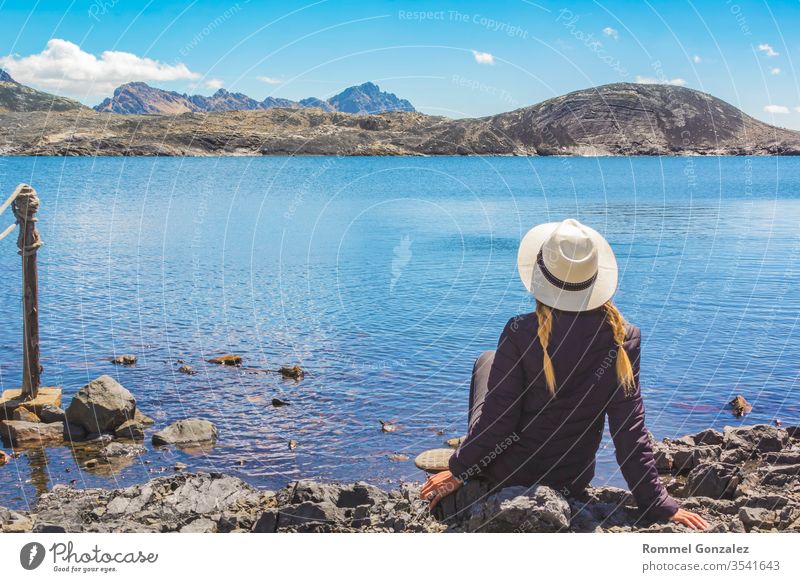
<point x="744" y="479"/>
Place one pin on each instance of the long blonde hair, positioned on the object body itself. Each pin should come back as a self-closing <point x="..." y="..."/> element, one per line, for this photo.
<point x="544" y="315"/>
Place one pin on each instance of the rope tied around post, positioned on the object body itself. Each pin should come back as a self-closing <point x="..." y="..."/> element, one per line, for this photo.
<point x="25" y="207"/>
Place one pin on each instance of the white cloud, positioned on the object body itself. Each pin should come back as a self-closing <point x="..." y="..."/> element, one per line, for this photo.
<point x="483" y="58"/>
<point x="774" y="71"/>
<point x="797" y="108"/>
<point x="270" y="80"/>
<point x="696" y="59"/>
<point x="764" y="47"/>
<point x="64" y="67"/>
<point x="214" y="84"/>
<point x="653" y="81"/>
<point x="776" y="109"/>
<point x="612" y="32"/>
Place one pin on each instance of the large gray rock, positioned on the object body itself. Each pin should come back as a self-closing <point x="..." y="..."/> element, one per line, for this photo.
<point x="187" y="432"/>
<point x="717" y="480"/>
<point x="520" y="509"/>
<point x="101" y="406"/>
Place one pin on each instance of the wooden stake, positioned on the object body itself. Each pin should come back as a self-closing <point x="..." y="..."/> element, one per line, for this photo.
<point x="25" y="206"/>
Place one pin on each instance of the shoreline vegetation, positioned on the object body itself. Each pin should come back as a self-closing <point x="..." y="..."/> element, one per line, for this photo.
<point x="743" y="479"/>
<point x="621" y="119"/>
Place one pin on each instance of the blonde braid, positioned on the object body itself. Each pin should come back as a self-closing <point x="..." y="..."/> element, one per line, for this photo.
<point x="544" y="316"/>
<point x="624" y="368"/>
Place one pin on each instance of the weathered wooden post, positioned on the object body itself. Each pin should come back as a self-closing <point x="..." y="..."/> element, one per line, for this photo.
<point x="25" y="206"/>
<point x="32" y="396"/>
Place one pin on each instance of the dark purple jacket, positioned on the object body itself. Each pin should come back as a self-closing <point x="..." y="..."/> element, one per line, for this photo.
<point x="524" y="436"/>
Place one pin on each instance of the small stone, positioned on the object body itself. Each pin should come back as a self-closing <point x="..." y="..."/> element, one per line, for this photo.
<point x="22" y="413"/>
<point x="180" y="466"/>
<point x="293" y="372"/>
<point x="124" y="360"/>
<point x="142" y="418"/>
<point x="91" y="463"/>
<point x="227" y="360"/>
<point x="49" y="413"/>
<point x="186" y="369"/>
<point x="187" y="432"/>
<point x="279" y="402"/>
<point x="293" y="444"/>
<point x="387" y="426"/>
<point x="454" y="442"/>
<point x="130" y="430"/>
<point x="397" y="457"/>
<point x="4" y="458"/>
<point x="739" y="406"/>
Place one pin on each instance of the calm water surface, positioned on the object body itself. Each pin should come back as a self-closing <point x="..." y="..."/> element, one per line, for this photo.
<point x="384" y="278"/>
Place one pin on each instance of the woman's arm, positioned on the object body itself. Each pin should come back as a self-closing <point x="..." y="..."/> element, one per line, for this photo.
<point x="632" y="443"/>
<point x="501" y="410"/>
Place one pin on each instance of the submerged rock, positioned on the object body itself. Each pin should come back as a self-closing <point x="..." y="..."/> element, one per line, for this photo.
<point x="101" y="406"/>
<point x="124" y="360"/>
<point x="293" y="372"/>
<point x="186" y="369"/>
<point x="187" y="432"/>
<point x="739" y="406"/>
<point x="387" y="426"/>
<point x="227" y="360"/>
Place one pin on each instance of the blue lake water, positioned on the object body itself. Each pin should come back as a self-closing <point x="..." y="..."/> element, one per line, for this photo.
<point x="384" y="278"/>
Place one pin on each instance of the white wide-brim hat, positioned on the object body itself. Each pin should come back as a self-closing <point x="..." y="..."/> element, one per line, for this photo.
<point x="567" y="265"/>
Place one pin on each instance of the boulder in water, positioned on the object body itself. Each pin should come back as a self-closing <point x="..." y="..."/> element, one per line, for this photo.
<point x="187" y="432"/>
<point x="101" y="406"/>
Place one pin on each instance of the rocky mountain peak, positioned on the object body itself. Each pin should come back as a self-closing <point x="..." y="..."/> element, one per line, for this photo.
<point x="5" y="77"/>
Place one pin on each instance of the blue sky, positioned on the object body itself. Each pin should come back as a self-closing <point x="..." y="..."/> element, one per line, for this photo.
<point x="449" y="58"/>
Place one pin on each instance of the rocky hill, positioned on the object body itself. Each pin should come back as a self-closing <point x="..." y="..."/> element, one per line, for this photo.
<point x="141" y="98"/>
<point x="368" y="98"/>
<point x="618" y="119"/>
<point x="17" y="97"/>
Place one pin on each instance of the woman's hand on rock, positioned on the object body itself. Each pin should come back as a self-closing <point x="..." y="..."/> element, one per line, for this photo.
<point x="439" y="486"/>
<point x="689" y="519"/>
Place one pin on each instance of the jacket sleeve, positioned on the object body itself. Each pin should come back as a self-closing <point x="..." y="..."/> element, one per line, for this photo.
<point x="633" y="449"/>
<point x="496" y="427"/>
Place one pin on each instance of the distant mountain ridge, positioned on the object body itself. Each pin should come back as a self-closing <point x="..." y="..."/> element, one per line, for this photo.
<point x="19" y="98"/>
<point x="621" y="119"/>
<point x="142" y="99"/>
